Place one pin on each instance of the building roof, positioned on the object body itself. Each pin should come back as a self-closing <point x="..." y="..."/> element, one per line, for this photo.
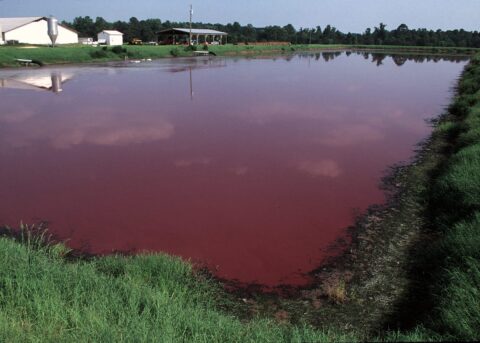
<point x="195" y="31"/>
<point x="112" y="32"/>
<point x="9" y="24"/>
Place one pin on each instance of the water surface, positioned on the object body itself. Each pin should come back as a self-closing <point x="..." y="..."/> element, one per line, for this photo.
<point x="254" y="167"/>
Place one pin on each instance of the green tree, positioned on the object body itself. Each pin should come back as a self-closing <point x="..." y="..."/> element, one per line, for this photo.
<point x="84" y="26"/>
<point x="101" y="24"/>
<point x="380" y="34"/>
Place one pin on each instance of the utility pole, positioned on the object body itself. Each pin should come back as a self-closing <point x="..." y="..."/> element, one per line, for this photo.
<point x="191" y="14"/>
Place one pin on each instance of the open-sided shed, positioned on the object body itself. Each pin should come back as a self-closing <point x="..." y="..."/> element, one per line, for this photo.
<point x="182" y="35"/>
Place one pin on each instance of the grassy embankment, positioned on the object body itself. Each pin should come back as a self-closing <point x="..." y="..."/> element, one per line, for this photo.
<point x="45" y="296"/>
<point x="88" y="54"/>
<point x="151" y="298"/>
<point x="443" y="302"/>
<point x="452" y="262"/>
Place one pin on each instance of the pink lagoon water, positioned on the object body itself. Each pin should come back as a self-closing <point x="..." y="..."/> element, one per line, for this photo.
<point x="253" y="167"/>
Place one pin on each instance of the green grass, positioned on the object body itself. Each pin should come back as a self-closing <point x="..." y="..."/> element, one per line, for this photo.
<point x="89" y="54"/>
<point x="453" y="260"/>
<point x="148" y="298"/>
<point x="85" y="54"/>
<point x="265" y="49"/>
<point x="79" y="54"/>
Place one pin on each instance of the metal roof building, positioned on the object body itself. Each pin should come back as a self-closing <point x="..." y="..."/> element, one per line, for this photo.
<point x="110" y="37"/>
<point x="180" y="35"/>
<point x="33" y="30"/>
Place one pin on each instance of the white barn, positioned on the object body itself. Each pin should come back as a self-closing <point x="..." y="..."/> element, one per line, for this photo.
<point x="33" y="30"/>
<point x="110" y="37"/>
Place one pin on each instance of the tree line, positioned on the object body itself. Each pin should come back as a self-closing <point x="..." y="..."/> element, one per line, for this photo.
<point x="146" y="30"/>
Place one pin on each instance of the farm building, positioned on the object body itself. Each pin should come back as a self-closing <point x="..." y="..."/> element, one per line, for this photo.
<point x="86" y="40"/>
<point x="110" y="37"/>
<point x="34" y="30"/>
<point x="181" y="36"/>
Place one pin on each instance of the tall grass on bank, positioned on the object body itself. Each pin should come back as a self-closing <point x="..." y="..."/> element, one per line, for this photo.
<point x="147" y="298"/>
<point x="455" y="278"/>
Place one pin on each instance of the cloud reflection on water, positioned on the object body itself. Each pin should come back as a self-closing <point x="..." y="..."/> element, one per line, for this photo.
<point x="105" y="126"/>
<point x="326" y="168"/>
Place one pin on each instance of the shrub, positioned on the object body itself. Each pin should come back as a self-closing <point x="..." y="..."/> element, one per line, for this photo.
<point x="175" y="52"/>
<point x="98" y="54"/>
<point x="133" y="54"/>
<point x="449" y="129"/>
<point x="119" y="50"/>
<point x="191" y="48"/>
<point x="459" y="107"/>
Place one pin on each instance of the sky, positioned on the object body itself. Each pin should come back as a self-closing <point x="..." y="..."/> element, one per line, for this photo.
<point x="345" y="15"/>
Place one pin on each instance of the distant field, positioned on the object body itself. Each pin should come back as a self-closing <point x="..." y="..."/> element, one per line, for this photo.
<point x="88" y="54"/>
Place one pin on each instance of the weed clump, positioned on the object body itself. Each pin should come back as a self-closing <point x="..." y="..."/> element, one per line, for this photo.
<point x="335" y="289"/>
<point x="99" y="53"/>
<point x="175" y="52"/>
<point x="192" y="47"/>
<point x="119" y="50"/>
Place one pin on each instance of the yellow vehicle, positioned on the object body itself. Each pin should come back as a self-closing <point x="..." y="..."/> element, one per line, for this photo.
<point x="136" y="41"/>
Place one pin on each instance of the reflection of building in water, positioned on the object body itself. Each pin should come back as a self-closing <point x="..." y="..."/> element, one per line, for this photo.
<point x="36" y="81"/>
